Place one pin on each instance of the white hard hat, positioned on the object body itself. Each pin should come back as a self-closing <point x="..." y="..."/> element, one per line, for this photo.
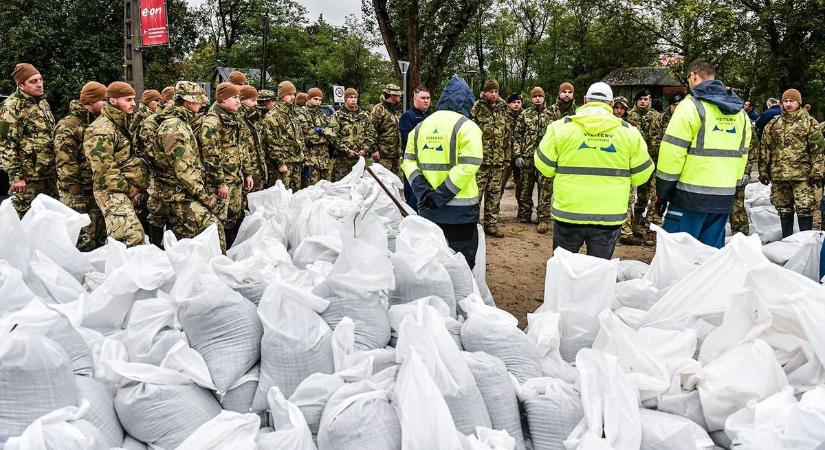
<point x="600" y="91"/>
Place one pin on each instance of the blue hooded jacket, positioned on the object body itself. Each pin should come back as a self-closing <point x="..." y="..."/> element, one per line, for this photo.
<point x="714" y="91"/>
<point x="456" y="97"/>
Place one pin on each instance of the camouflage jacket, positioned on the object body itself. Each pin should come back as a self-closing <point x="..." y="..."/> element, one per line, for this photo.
<point x="144" y="136"/>
<point x="792" y="147"/>
<point x="530" y="130"/>
<point x="317" y="145"/>
<point x="385" y="118"/>
<point x="26" y="132"/>
<point x="753" y="151"/>
<point x="282" y="135"/>
<point x="74" y="174"/>
<point x="492" y="119"/>
<point x="250" y="143"/>
<point x="512" y="121"/>
<point x="223" y="160"/>
<point x="351" y="131"/>
<point x="142" y="113"/>
<point x="108" y="147"/>
<point x="177" y="158"/>
<point x="666" y="116"/>
<point x="649" y="123"/>
<point x="560" y="110"/>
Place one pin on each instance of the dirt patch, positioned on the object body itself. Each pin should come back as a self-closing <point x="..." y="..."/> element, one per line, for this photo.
<point x="516" y="262"/>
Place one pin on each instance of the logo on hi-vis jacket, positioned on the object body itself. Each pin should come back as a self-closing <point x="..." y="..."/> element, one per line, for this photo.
<point x="434" y="142"/>
<point x="729" y="130"/>
<point x="609" y="149"/>
<point x="725" y="124"/>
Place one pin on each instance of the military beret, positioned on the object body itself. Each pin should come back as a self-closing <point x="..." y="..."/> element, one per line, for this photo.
<point x="566" y="86"/>
<point x="536" y="91"/>
<point x="301" y="99"/>
<point x="248" y="92"/>
<point x="286" y="88"/>
<point x="167" y="93"/>
<point x="226" y="90"/>
<point x="237" y="78"/>
<point x="490" y="85"/>
<point x="92" y="92"/>
<point x="119" y="89"/>
<point x="792" y="94"/>
<point x="350" y="92"/>
<point x="315" y="92"/>
<point x="23" y="72"/>
<point x="149" y="95"/>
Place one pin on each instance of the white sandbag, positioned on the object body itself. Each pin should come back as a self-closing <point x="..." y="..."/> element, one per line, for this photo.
<point x="480" y="269"/>
<point x="272" y="202"/>
<point x="806" y="259"/>
<point x="311" y="397"/>
<point x="254" y="223"/>
<point x="324" y="247"/>
<point x="323" y="216"/>
<point x="61" y="429"/>
<point x="498" y="392"/>
<point x="130" y="443"/>
<point x="610" y="402"/>
<point x="16" y="252"/>
<point x="684" y="404"/>
<point x="746" y="372"/>
<point x="247" y="277"/>
<point x="764" y="221"/>
<point x="461" y="275"/>
<point x="638" y="294"/>
<point x="153" y="328"/>
<point x="226" y="430"/>
<point x="495" y="331"/>
<point x="662" y="431"/>
<point x="101" y="414"/>
<point x="14" y="293"/>
<point x="578" y="287"/>
<point x="779" y="252"/>
<point x="35" y="379"/>
<point x="61" y="286"/>
<point x="296" y="342"/>
<point x="487" y="439"/>
<point x="677" y="255"/>
<point x="266" y="243"/>
<point x="630" y="269"/>
<point x="553" y="408"/>
<point x="543" y="332"/>
<point x="223" y="327"/>
<point x="53" y="228"/>
<point x="290" y="429"/>
<point x="239" y="396"/>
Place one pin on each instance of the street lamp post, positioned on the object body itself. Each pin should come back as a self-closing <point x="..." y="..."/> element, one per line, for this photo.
<point x="404" y="66"/>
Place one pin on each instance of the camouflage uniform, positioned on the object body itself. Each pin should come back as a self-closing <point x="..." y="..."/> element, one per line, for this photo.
<point x="157" y="208"/>
<point x="140" y="115"/>
<point x="738" y="216"/>
<point x="791" y="154"/>
<point x="492" y="119"/>
<point x="350" y="131"/>
<point x="529" y="131"/>
<point x="74" y="175"/>
<point x="284" y="144"/>
<point x="116" y="169"/>
<point x="317" y="145"/>
<point x="250" y="142"/>
<point x="509" y="168"/>
<point x="385" y="117"/>
<point x="557" y="111"/>
<point x="26" y="148"/>
<point x="224" y="163"/>
<point x="179" y="178"/>
<point x="649" y="123"/>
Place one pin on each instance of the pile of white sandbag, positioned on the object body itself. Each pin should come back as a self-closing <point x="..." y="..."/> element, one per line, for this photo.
<point x="762" y="215"/>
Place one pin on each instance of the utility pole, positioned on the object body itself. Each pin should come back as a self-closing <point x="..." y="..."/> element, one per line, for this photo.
<point x="263" y="51"/>
<point x="132" y="55"/>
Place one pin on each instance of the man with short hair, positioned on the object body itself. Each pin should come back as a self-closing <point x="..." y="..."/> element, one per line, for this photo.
<point x="314" y="123"/>
<point x="530" y="129"/>
<point x="385" y="116"/>
<point x="620" y="107"/>
<point x="407" y="122"/>
<point x="118" y="174"/>
<point x="648" y="122"/>
<point x="774" y="109"/>
<point x="702" y="158"/>
<point x="668" y="114"/>
<point x="514" y="109"/>
<point x="250" y="138"/>
<point x="74" y="174"/>
<point x="792" y="154"/>
<point x="351" y="130"/>
<point x="595" y="159"/>
<point x="490" y="114"/>
<point x="752" y="114"/>
<point x="284" y="140"/>
<point x="26" y="147"/>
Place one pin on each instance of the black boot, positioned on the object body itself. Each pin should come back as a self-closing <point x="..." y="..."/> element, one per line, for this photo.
<point x="787" y="225"/>
<point x="806" y="223"/>
<point x="156" y="236"/>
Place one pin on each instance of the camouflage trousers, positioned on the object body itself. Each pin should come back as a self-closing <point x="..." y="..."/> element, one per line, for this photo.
<point x="627" y="226"/>
<point x="317" y="174"/>
<point x="122" y="222"/>
<point x="93" y="235"/>
<point x="545" y="204"/>
<point x="341" y="167"/>
<point x="22" y="201"/>
<point x="230" y="208"/>
<point x="645" y="197"/>
<point x="787" y="196"/>
<point x="738" y="216"/>
<point x="189" y="218"/>
<point x="392" y="163"/>
<point x="525" y="185"/>
<point x="488" y="179"/>
<point x="158" y="207"/>
<point x="292" y="177"/>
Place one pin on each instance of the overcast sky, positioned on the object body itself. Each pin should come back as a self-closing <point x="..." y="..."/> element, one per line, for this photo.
<point x="334" y="10"/>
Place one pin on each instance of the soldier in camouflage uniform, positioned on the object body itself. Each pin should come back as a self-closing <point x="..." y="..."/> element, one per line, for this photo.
<point x="284" y="140"/>
<point x="490" y="114"/>
<point x="738" y="216"/>
<point x="385" y="117"/>
<point x="514" y="109"/>
<point x="26" y="148"/>
<point x="74" y="174"/>
<point x="564" y="106"/>
<point x="149" y="102"/>
<point x="266" y="102"/>
<point x="620" y="107"/>
<point x="648" y="122"/>
<point x="791" y="157"/>
<point x="179" y="175"/>
<point x="118" y="175"/>
<point x="250" y="138"/>
<point x="314" y="123"/>
<point x="529" y="132"/>
<point x="666" y="116"/>
<point x="351" y="132"/>
<point x="224" y="160"/>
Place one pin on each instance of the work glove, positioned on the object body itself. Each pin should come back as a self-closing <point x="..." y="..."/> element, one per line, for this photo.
<point x="519" y="162"/>
<point x="815" y="179"/>
<point x="661" y="206"/>
<point x="744" y="181"/>
<point x="426" y="202"/>
<point x="764" y="179"/>
<point x="319" y="131"/>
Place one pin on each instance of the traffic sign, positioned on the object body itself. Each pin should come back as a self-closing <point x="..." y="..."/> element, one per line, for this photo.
<point x="338" y="94"/>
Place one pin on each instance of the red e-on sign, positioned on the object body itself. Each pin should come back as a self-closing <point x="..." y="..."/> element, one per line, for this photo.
<point x="153" y="27"/>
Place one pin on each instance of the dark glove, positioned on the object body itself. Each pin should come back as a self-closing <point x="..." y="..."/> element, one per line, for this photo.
<point x="426" y="202"/>
<point x="661" y="206"/>
<point x="764" y="179"/>
<point x="319" y="131"/>
<point x="815" y="179"/>
<point x="519" y="162"/>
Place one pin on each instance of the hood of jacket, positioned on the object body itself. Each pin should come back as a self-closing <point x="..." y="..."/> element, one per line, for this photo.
<point x="596" y="117"/>
<point x="714" y="91"/>
<point x="78" y="110"/>
<point x="456" y="97"/>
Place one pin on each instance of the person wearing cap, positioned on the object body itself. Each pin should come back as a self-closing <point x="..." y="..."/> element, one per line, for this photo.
<point x="149" y="102"/>
<point x="118" y="174"/>
<point x="74" y="174"/>
<point x="774" y="108"/>
<point x="702" y="157"/>
<point x="565" y="102"/>
<point x="620" y="106"/>
<point x="283" y="140"/>
<point x="668" y="114"/>
<point x="179" y="179"/>
<point x="250" y="138"/>
<point x="266" y="101"/>
<point x="314" y="123"/>
<point x="529" y="130"/>
<point x="166" y="97"/>
<point x="739" y="216"/>
<point x="225" y="164"/>
<point x="442" y="156"/>
<point x="791" y="158"/>
<point x="515" y="109"/>
<point x="26" y="147"/>
<point x="648" y="122"/>
<point x="300" y="102"/>
<point x="352" y="133"/>
<point x="408" y="121"/>
<point x="490" y="114"/>
<point x="595" y="159"/>
<point x="237" y="78"/>
<point x="385" y="116"/>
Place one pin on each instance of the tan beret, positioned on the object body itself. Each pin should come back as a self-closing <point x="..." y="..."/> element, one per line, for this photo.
<point x="167" y="94"/>
<point x="350" y="92"/>
<point x="248" y="92"/>
<point x="92" y="92"/>
<point x="286" y="88"/>
<point x="23" y="72"/>
<point x="149" y="95"/>
<point x="237" y="78"/>
<point x="226" y="90"/>
<point x="536" y="91"/>
<point x="315" y="92"/>
<point x="119" y="89"/>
